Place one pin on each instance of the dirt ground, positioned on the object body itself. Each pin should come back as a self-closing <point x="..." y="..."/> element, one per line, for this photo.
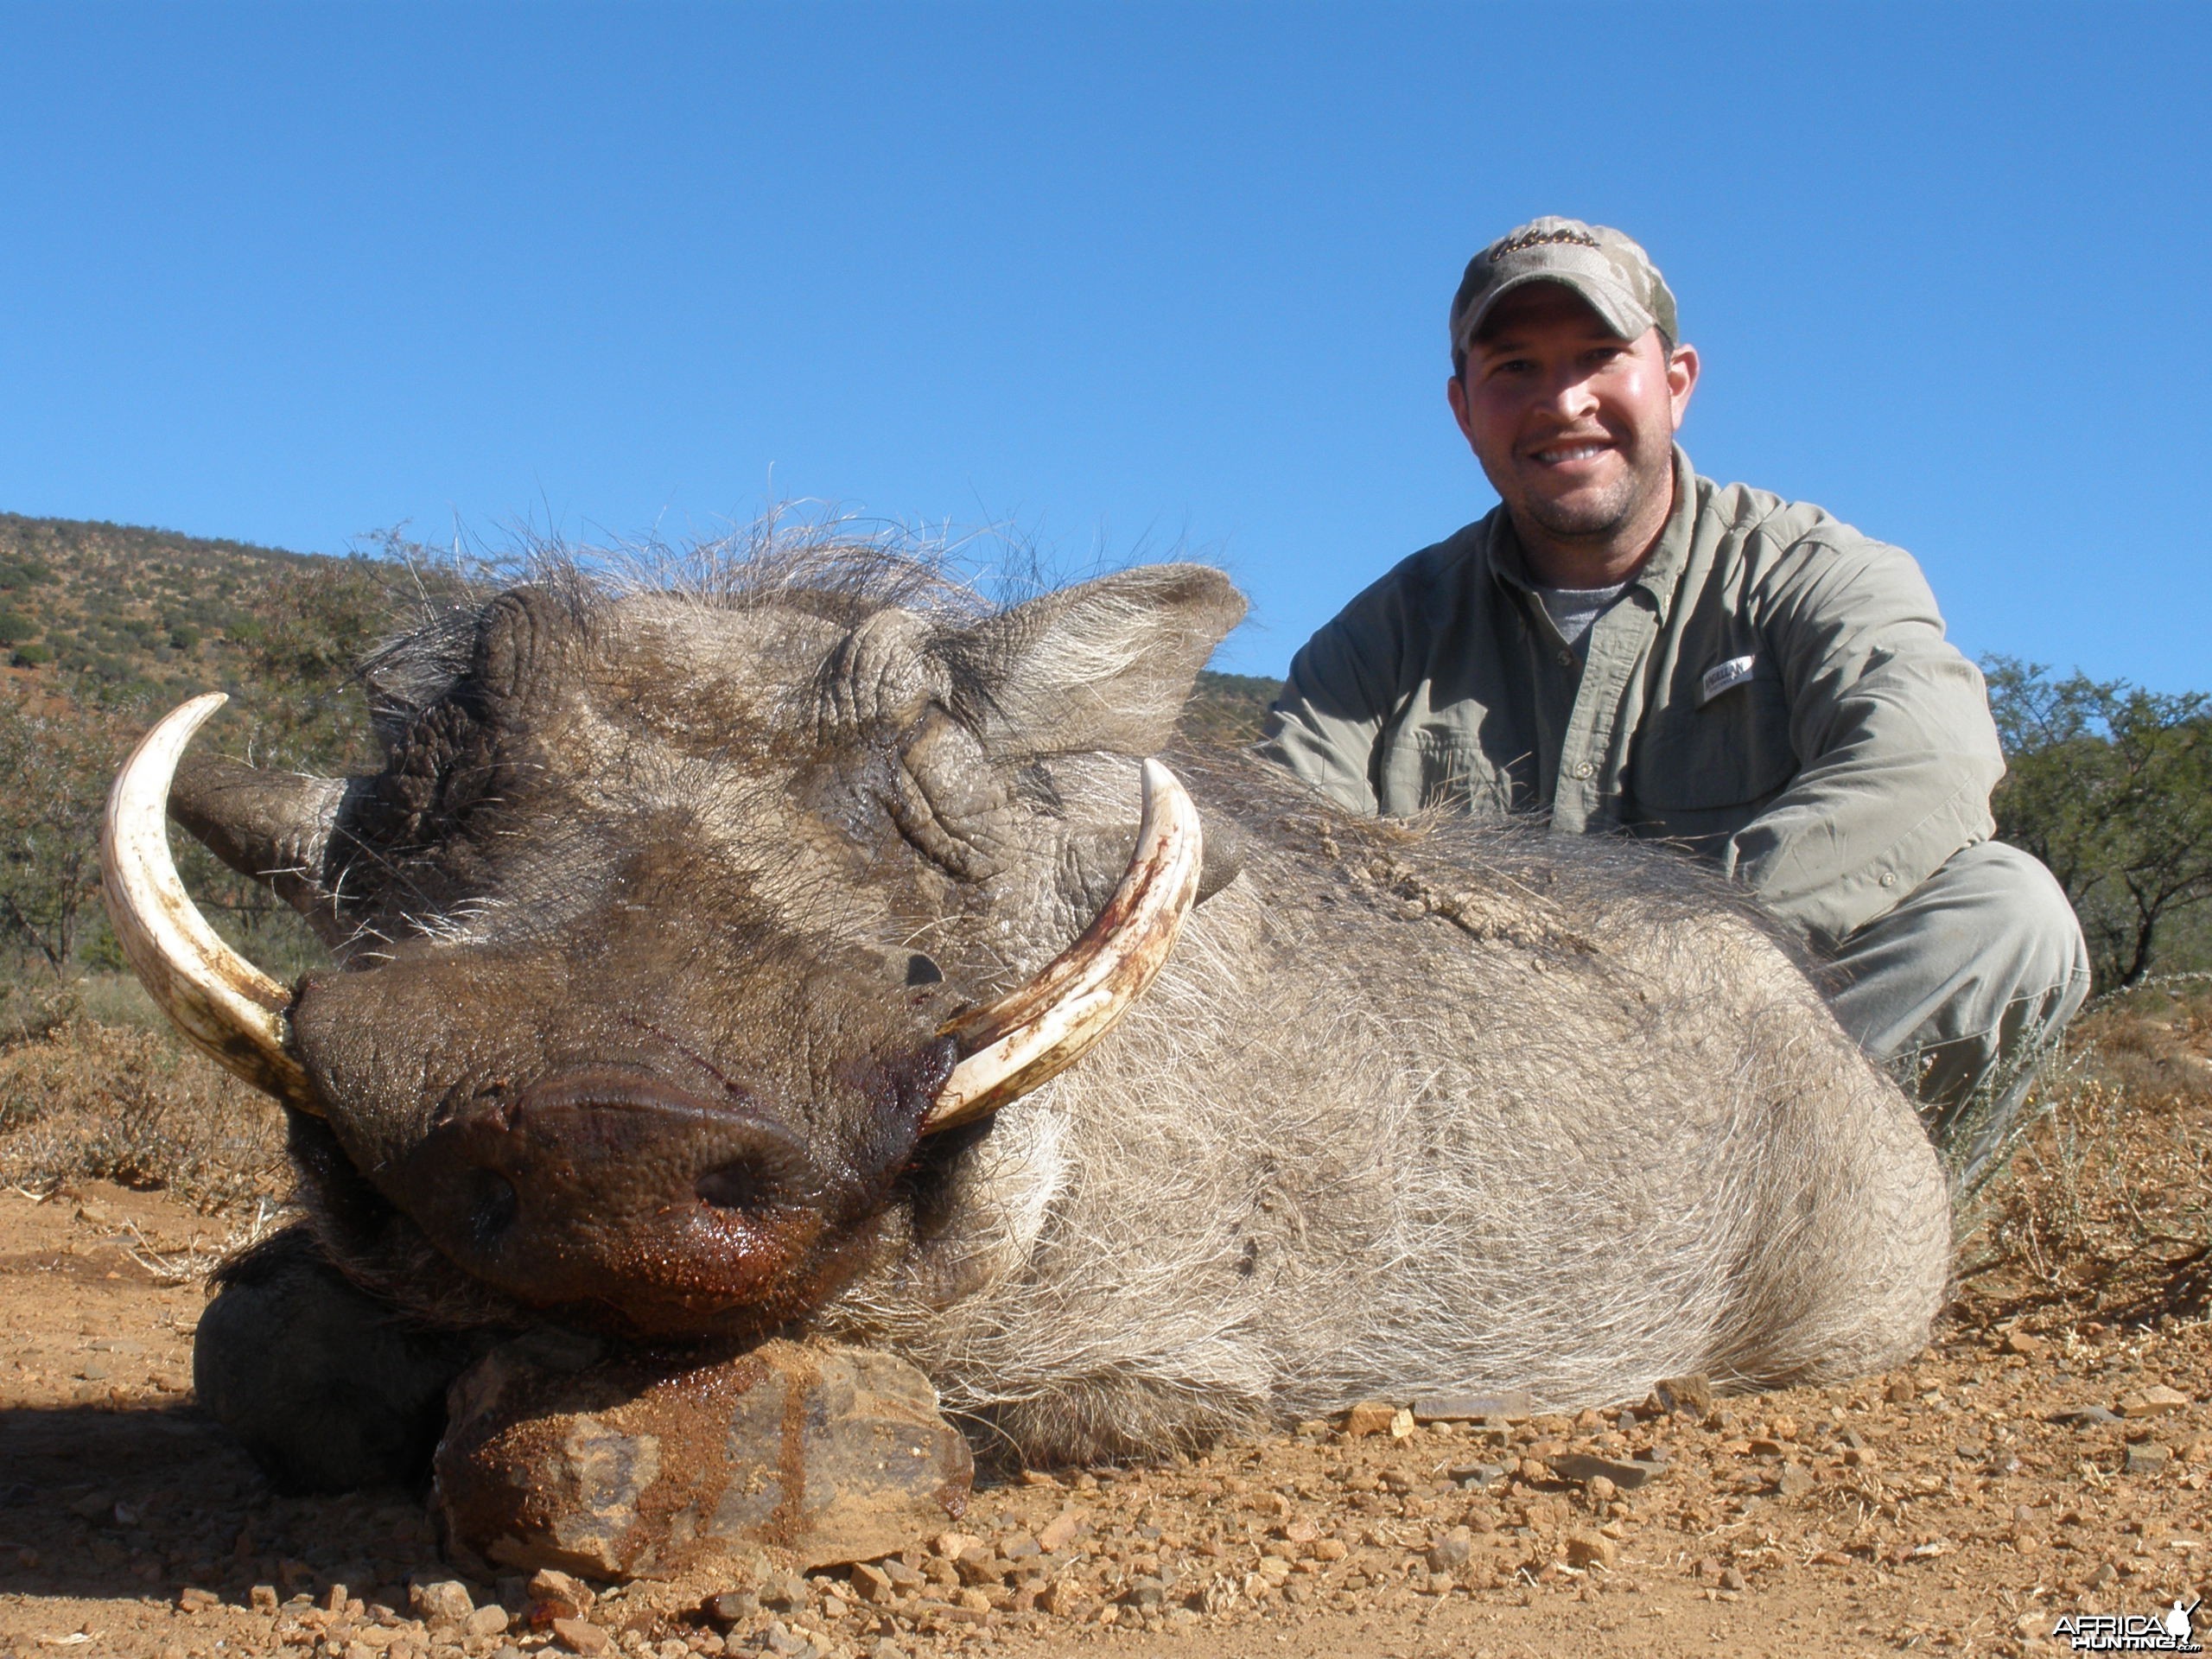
<point x="2049" y="1455"/>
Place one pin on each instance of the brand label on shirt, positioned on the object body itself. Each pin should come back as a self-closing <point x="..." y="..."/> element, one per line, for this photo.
<point x="1721" y="676"/>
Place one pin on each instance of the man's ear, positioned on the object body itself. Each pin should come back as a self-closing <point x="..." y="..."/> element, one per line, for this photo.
<point x="1106" y="666"/>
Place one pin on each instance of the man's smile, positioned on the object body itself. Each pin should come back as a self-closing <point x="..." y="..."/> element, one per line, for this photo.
<point x="1563" y="455"/>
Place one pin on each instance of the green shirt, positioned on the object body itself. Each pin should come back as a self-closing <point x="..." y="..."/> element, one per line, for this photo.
<point x="1772" y="689"/>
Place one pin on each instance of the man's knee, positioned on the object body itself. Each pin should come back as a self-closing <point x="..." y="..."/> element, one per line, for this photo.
<point x="2016" y="920"/>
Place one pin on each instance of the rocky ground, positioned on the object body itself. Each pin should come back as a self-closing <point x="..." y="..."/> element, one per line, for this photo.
<point x="2048" y="1455"/>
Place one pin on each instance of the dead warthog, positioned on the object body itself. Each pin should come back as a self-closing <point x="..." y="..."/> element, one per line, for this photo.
<point x="706" y="970"/>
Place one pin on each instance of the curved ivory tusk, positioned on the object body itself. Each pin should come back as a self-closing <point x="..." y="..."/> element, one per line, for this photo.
<point x="231" y="1010"/>
<point x="1036" y="1033"/>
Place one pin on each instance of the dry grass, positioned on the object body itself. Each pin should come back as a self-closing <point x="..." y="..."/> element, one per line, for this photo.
<point x="83" y="1100"/>
<point x="2106" y="1210"/>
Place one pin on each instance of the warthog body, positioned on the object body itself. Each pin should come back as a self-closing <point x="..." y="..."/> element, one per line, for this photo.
<point x="651" y="923"/>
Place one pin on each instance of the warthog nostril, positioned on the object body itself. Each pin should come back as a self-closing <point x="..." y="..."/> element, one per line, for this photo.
<point x="742" y="1186"/>
<point x="491" y="1206"/>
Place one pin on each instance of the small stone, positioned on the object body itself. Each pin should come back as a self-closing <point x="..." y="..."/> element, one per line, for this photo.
<point x="1794" y="1480"/>
<point x="440" y="1601"/>
<point x="2085" y="1417"/>
<point x="1587" y="1550"/>
<point x="1401" y="1424"/>
<point x="785" y="1593"/>
<point x="582" y="1636"/>
<point x="1625" y="1474"/>
<point x="93" y="1506"/>
<point x="1690" y="1396"/>
<point x="2020" y="1342"/>
<point x="262" y="1597"/>
<point x="193" y="1599"/>
<point x="952" y="1545"/>
<point x="1900" y="1392"/>
<point x="488" y="1620"/>
<point x="1449" y="1552"/>
<point x="1060" y="1531"/>
<point x="1783" y="1428"/>
<point x="2153" y="1401"/>
<point x="1511" y="1406"/>
<point x="1370" y="1417"/>
<point x="1475" y="1476"/>
<point x="2148" y="1457"/>
<point x="733" y="1606"/>
<point x="1732" y="1579"/>
<point x="558" y="1595"/>
<point x="1602" y="1489"/>
<point x="873" y="1583"/>
<point x="1145" y="1591"/>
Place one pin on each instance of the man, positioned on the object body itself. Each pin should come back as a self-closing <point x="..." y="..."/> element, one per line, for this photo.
<point x="1630" y="647"/>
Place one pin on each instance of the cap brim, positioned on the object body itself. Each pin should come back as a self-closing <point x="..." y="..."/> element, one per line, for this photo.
<point x="1616" y="307"/>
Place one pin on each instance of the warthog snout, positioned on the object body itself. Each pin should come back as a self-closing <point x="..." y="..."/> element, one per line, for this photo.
<point x="611" y="1185"/>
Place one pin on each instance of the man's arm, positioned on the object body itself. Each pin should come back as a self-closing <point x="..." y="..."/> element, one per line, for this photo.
<point x="1330" y="715"/>
<point x="1891" y="725"/>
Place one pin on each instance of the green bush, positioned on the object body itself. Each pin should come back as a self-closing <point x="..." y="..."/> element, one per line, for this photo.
<point x="16" y="627"/>
<point x="31" y="656"/>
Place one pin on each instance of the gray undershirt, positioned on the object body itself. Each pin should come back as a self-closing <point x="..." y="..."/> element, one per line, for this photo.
<point x="1574" y="609"/>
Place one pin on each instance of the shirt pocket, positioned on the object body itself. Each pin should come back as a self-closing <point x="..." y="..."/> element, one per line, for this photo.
<point x="1734" y="752"/>
<point x="1427" y="767"/>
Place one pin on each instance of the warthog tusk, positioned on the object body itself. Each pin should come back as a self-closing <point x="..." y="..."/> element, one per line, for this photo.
<point x="1036" y="1033"/>
<point x="231" y="1010"/>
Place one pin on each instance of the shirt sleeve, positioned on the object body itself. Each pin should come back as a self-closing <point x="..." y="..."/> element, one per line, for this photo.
<point x="1890" y="723"/>
<point x="1327" y="723"/>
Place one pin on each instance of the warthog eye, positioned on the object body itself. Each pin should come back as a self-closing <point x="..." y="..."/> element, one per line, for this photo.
<point x="922" y="970"/>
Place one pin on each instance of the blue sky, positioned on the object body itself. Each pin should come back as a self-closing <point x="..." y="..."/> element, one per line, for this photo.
<point x="1126" y="279"/>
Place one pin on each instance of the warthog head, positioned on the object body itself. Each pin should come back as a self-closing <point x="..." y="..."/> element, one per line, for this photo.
<point x="675" y="922"/>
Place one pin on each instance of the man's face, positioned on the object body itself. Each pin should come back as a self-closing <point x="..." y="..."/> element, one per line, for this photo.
<point x="1572" y="424"/>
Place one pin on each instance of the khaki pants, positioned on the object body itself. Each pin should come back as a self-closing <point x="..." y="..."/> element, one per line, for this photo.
<point x="1962" y="990"/>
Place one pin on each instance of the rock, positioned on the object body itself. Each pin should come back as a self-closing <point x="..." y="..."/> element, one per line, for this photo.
<point x="193" y="1600"/>
<point x="1511" y="1406"/>
<point x="646" y="1464"/>
<point x="2084" y="1417"/>
<point x="1061" y="1530"/>
<point x="874" y="1585"/>
<point x="1587" y="1550"/>
<point x="1401" y="1424"/>
<point x="2148" y="1457"/>
<point x="440" y="1601"/>
<point x="558" y="1596"/>
<point x="1625" y="1474"/>
<point x="263" y="1598"/>
<point x="1449" y="1552"/>
<point x="1794" y="1480"/>
<point x="582" y="1636"/>
<point x="732" y="1606"/>
<point x="1900" y="1392"/>
<point x="1370" y="1417"/>
<point x="1145" y="1591"/>
<point x="2019" y="1342"/>
<point x="491" y="1620"/>
<point x="1475" y="1476"/>
<point x="1602" y="1489"/>
<point x="2154" y="1402"/>
<point x="785" y="1592"/>
<point x="1733" y="1580"/>
<point x="1690" y="1396"/>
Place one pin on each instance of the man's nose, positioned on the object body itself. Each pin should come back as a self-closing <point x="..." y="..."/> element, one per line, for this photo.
<point x="1570" y="395"/>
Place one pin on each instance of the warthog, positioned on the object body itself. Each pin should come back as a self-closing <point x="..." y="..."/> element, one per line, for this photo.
<point x="694" y="982"/>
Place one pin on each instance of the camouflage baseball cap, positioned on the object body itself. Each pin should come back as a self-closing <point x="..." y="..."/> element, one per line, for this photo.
<point x="1605" y="268"/>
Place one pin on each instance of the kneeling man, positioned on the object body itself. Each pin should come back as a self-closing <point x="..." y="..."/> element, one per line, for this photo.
<point x="1628" y="646"/>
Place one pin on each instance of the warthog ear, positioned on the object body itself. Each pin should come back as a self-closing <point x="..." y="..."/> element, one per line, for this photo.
<point x="1106" y="666"/>
<point x="273" y="826"/>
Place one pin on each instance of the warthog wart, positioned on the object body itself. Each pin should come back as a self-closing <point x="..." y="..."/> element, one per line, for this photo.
<point x="677" y="914"/>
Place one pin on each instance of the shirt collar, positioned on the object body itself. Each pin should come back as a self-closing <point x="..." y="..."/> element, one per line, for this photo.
<point x="1659" y="573"/>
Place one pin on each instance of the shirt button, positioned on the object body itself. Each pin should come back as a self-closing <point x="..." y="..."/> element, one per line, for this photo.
<point x="1584" y="769"/>
<point x="1889" y="878"/>
<point x="1567" y="659"/>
